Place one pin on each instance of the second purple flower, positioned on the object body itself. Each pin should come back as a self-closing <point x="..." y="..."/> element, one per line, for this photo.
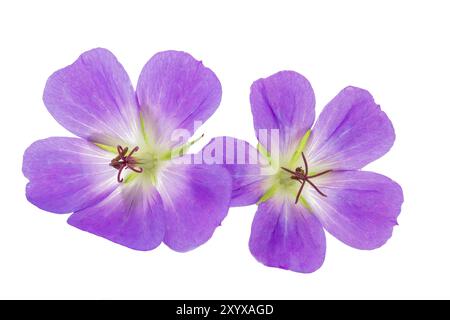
<point x="309" y="179"/>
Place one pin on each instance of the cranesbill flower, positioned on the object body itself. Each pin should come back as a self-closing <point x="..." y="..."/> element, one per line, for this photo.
<point x="314" y="181"/>
<point x="119" y="178"/>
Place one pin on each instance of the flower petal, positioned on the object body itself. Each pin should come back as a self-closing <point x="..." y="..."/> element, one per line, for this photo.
<point x="131" y="216"/>
<point x="360" y="209"/>
<point x="287" y="236"/>
<point x="351" y="132"/>
<point x="67" y="174"/>
<point x="196" y="199"/>
<point x="283" y="101"/>
<point x="94" y="99"/>
<point x="173" y="91"/>
<point x="249" y="170"/>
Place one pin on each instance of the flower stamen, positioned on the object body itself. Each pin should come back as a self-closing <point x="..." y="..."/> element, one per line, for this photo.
<point x="123" y="161"/>
<point x="302" y="176"/>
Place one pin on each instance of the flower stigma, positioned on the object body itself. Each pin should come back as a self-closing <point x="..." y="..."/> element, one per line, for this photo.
<point x="123" y="161"/>
<point x="301" y="175"/>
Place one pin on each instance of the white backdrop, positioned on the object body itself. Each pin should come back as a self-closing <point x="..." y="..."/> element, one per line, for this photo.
<point x="399" y="50"/>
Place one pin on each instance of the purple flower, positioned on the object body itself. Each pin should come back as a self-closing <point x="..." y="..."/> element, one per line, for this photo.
<point x="120" y="178"/>
<point x="312" y="180"/>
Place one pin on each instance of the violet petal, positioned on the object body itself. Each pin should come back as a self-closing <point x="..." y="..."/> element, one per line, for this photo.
<point x="360" y="209"/>
<point x="67" y="174"/>
<point x="287" y="236"/>
<point x="94" y="98"/>
<point x="351" y="132"/>
<point x="283" y="101"/>
<point x="196" y="199"/>
<point x="175" y="90"/>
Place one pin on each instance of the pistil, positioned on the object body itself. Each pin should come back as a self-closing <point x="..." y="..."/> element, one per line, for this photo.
<point x="302" y="176"/>
<point x="123" y="161"/>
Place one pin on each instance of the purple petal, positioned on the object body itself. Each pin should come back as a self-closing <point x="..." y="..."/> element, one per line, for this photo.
<point x="131" y="216"/>
<point x="287" y="236"/>
<point x="283" y="101"/>
<point x="196" y="200"/>
<point x="174" y="90"/>
<point x="248" y="169"/>
<point x="351" y="132"/>
<point x="67" y="174"/>
<point x="94" y="98"/>
<point x="360" y="209"/>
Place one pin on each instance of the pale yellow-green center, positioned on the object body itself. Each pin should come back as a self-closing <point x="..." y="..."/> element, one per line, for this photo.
<point x="281" y="183"/>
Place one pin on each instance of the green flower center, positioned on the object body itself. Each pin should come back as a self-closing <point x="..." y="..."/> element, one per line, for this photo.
<point x="293" y="181"/>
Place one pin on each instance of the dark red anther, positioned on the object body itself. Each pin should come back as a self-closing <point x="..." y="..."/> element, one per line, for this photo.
<point x="123" y="161"/>
<point x="302" y="176"/>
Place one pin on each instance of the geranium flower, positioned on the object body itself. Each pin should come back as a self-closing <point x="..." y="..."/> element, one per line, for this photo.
<point x="119" y="178"/>
<point x="314" y="181"/>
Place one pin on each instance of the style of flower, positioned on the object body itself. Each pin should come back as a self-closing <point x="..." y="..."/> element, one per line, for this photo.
<point x="314" y="182"/>
<point x="119" y="177"/>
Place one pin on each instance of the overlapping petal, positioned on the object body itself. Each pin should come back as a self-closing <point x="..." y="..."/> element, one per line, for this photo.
<point x="196" y="199"/>
<point x="67" y="174"/>
<point x="174" y="91"/>
<point x="287" y="236"/>
<point x="249" y="169"/>
<point x="360" y="209"/>
<point x="94" y="98"/>
<point x="284" y="101"/>
<point x="351" y="132"/>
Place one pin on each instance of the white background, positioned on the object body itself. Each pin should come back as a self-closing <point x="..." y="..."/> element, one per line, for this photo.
<point x="399" y="50"/>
